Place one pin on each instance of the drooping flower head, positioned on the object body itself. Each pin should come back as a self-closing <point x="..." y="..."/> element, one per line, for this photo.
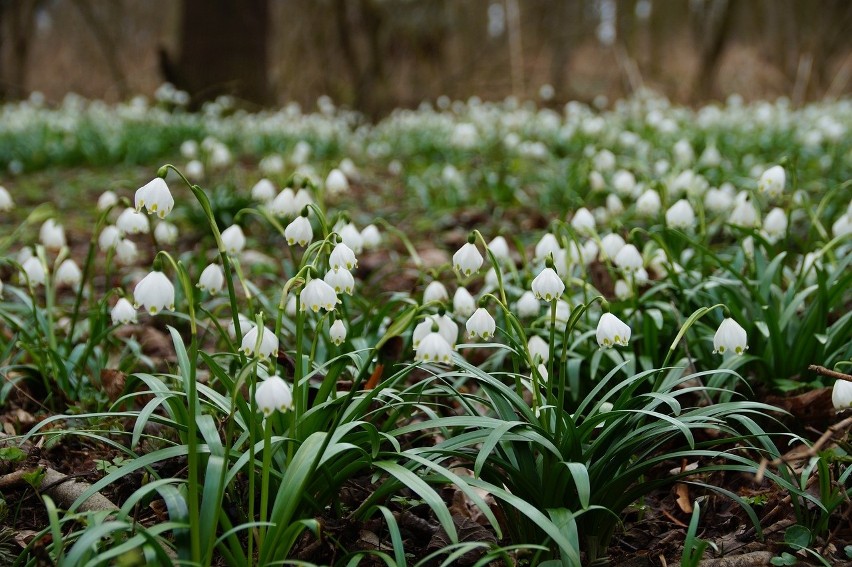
<point x="612" y="331"/>
<point x="155" y="292"/>
<point x="730" y="336"/>
<point x="155" y="197"/>
<point x="273" y="394"/>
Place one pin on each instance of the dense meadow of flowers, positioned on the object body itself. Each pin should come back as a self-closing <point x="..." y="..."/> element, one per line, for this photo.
<point x="559" y="311"/>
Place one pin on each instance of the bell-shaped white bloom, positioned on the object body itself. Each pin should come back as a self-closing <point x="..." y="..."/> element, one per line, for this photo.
<point x="730" y="336"/>
<point x="245" y="325"/>
<point x="109" y="237"/>
<point x="499" y="247"/>
<point x="629" y="259"/>
<point x="351" y="236"/>
<point x="841" y="395"/>
<point x="194" y="170"/>
<point x="68" y="274"/>
<point x="447" y="328"/>
<point x="648" y="204"/>
<point x="421" y="330"/>
<point x="467" y="260"/>
<point x="612" y="331"/>
<point x="624" y="182"/>
<point x="611" y="245"/>
<point x="842" y="226"/>
<point x="547" y="285"/>
<point x="597" y="181"/>
<point x="52" y="235"/>
<point x="284" y="204"/>
<point x="165" y="233"/>
<point x="107" y="200"/>
<point x="622" y="290"/>
<point x="341" y="280"/>
<point x="233" y="239"/>
<point x="131" y="222"/>
<point x="342" y="257"/>
<point x="371" y="237"/>
<point x="189" y="149"/>
<point x="604" y="160"/>
<point x="434" y="348"/>
<point x="264" y="191"/>
<point x="318" y="295"/>
<point x="547" y="246"/>
<point x="6" y="202"/>
<point x="126" y="252"/>
<point x="539" y="350"/>
<point x="299" y="231"/>
<point x="563" y="311"/>
<point x="772" y="181"/>
<point x="154" y="292"/>
<point x="775" y="224"/>
<point x="348" y="167"/>
<point x="33" y="271"/>
<point x="302" y="199"/>
<point x="435" y="291"/>
<point x="744" y="213"/>
<point x="710" y="157"/>
<point x="155" y="197"/>
<point x="528" y="305"/>
<point x="337" y="332"/>
<point x="273" y="394"/>
<point x="123" y="313"/>
<point x="718" y="201"/>
<point x="212" y="279"/>
<point x="481" y="325"/>
<point x="336" y="183"/>
<point x="463" y="303"/>
<point x="681" y="215"/>
<point x="583" y="221"/>
<point x="266" y="344"/>
<point x="614" y="205"/>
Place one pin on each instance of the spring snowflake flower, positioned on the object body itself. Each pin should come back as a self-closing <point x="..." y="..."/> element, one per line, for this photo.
<point x="547" y="285"/>
<point x="52" y="235"/>
<point x="318" y="294"/>
<point x="194" y="170"/>
<point x="610" y="246"/>
<point x="772" y="181"/>
<point x="245" y="325"/>
<point x="730" y="337"/>
<point x="107" y="200"/>
<point x="718" y="201"/>
<point x="842" y="226"/>
<point x="68" y="274"/>
<point x="775" y="224"/>
<point x="212" y="279"/>
<point x="841" y="395"/>
<point x="342" y="257"/>
<point x="539" y="349"/>
<point x="337" y="332"/>
<point x="351" y="236"/>
<point x="614" y="205"/>
<point x="233" y="239"/>
<point x="435" y="291"/>
<point x="273" y="394"/>
<point x="165" y="233"/>
<point x="622" y="290"/>
<point x="744" y="213"/>
<point x="583" y="221"/>
<point x="467" y="260"/>
<point x="109" y="237"/>
<point x="336" y="183"/>
<point x="131" y="222"/>
<point x="155" y="292"/>
<point x="481" y="324"/>
<point x="463" y="303"/>
<point x="649" y="204"/>
<point x="268" y="343"/>
<point x="597" y="181"/>
<point x="629" y="259"/>
<point x="123" y="313"/>
<point x="434" y="348"/>
<point x="189" y="149"/>
<point x="33" y="271"/>
<point x="371" y="237"/>
<point x="299" y="231"/>
<point x="263" y="191"/>
<point x="6" y="202"/>
<point x="155" y="197"/>
<point x="547" y="246"/>
<point x="624" y="182"/>
<point x="284" y="204"/>
<point x="680" y="215"/>
<point x="341" y="280"/>
<point x="612" y="331"/>
<point x="499" y="247"/>
<point x="528" y="305"/>
<point x="126" y="252"/>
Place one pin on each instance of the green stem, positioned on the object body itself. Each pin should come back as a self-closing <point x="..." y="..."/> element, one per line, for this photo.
<point x="264" y="478"/>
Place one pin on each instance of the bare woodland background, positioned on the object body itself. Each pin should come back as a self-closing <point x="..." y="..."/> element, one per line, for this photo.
<point x="375" y="55"/>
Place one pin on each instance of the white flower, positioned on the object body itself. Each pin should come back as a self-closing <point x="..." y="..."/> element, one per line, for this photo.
<point x="52" y="235"/>
<point x="109" y="237"/>
<point x="539" y="349"/>
<point x="264" y="191"/>
<point x="841" y="395"/>
<point x="126" y="252"/>
<point x="463" y="303"/>
<point x="563" y="311"/>
<point x="481" y="324"/>
<point x="547" y="246"/>
<point x="683" y="152"/>
<point x="337" y="332"/>
<point x="434" y="348"/>
<point x="622" y="290"/>
<point x="467" y="260"/>
<point x="614" y="206"/>
<point x="351" y="236"/>
<point x="583" y="221"/>
<point x="155" y="197"/>
<point x="233" y="239"/>
<point x="499" y="247"/>
<point x="718" y="200"/>
<point x="611" y="244"/>
<point x="189" y="149"/>
<point x="842" y="226"/>
<point x="648" y="204"/>
<point x="131" y="222"/>
<point x="604" y="160"/>
<point x="68" y="274"/>
<point x="744" y="214"/>
<point x="347" y="166"/>
<point x="547" y="285"/>
<point x="299" y="231"/>
<point x="165" y="233"/>
<point x="730" y="336"/>
<point x="435" y="291"/>
<point x="775" y="224"/>
<point x="612" y="331"/>
<point x="107" y="200"/>
<point x="528" y="305"/>
<point x="318" y="294"/>
<point x="772" y="181"/>
<point x="341" y="280"/>
<point x="194" y="170"/>
<point x="155" y="292"/>
<point x="447" y="328"/>
<point x="245" y="325"/>
<point x="301" y="200"/>
<point x="284" y="204"/>
<point x="268" y="342"/>
<point x="123" y="313"/>
<point x="336" y="183"/>
<point x="212" y="279"/>
<point x="371" y="236"/>
<point x="624" y="182"/>
<point x="629" y="259"/>
<point x="342" y="257"/>
<point x="597" y="181"/>
<point x="681" y="215"/>
<point x="33" y="270"/>
<point x="273" y="394"/>
<point x="6" y="202"/>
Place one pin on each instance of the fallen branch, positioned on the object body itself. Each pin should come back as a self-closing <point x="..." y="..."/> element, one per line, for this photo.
<point x="798" y="455"/>
<point x="62" y="488"/>
<point x="829" y="372"/>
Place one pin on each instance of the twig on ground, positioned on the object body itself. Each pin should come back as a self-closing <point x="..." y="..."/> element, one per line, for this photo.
<point x="62" y="488"/>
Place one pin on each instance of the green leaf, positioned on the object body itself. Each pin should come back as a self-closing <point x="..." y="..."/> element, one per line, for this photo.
<point x="797" y="536"/>
<point x="784" y="559"/>
<point x="12" y="454"/>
